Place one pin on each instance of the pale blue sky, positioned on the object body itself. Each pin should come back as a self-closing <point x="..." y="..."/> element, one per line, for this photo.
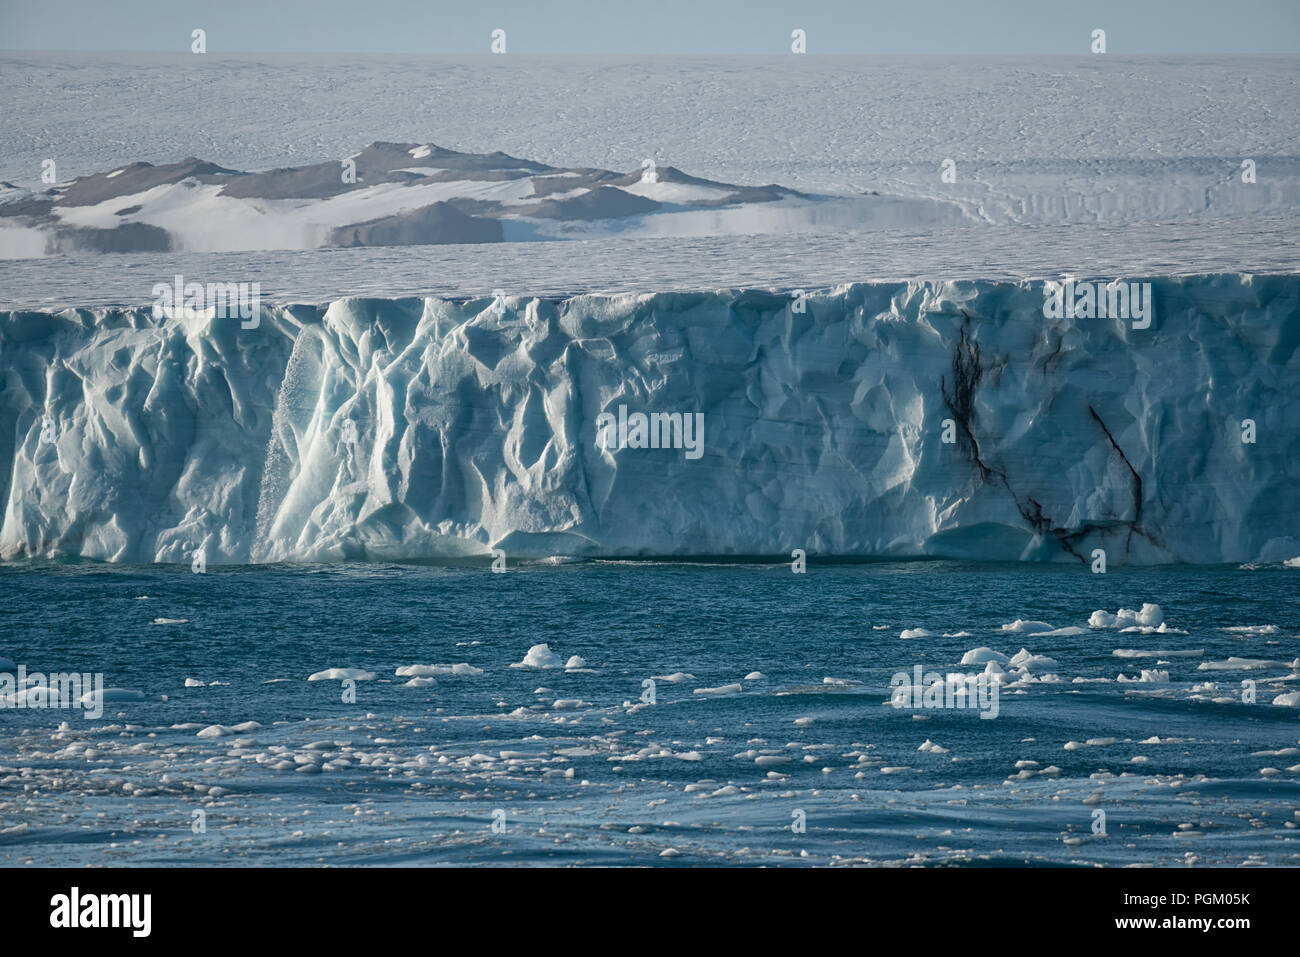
<point x="657" y="27"/>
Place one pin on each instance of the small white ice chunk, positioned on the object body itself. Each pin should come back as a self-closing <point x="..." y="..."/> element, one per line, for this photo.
<point x="342" y="674"/>
<point x="541" y="656"/>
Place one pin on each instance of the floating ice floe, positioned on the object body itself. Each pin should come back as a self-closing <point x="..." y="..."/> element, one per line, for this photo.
<point x="978" y="656"/>
<point x="930" y="747"/>
<point x="675" y="678"/>
<point x="31" y="696"/>
<point x="1066" y="632"/>
<point x="1148" y="675"/>
<point x="1252" y="629"/>
<point x="1158" y="653"/>
<point x="193" y="683"/>
<point x="221" y="730"/>
<point x="1290" y="700"/>
<point x="461" y="670"/>
<point x="722" y="689"/>
<point x="1151" y="616"/>
<point x="995" y="672"/>
<point x="170" y="621"/>
<point x="1240" y="664"/>
<point x="1025" y="660"/>
<point x="908" y="633"/>
<point x="1023" y="626"/>
<point x="540" y="656"/>
<point x="342" y="674"/>
<point x="1090" y="743"/>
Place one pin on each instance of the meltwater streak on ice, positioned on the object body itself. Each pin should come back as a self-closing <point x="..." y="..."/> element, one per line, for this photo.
<point x="277" y="467"/>
<point x="410" y="429"/>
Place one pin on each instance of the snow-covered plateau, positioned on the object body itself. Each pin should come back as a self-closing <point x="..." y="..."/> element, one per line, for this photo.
<point x="932" y="145"/>
<point x="900" y="419"/>
<point x="412" y="194"/>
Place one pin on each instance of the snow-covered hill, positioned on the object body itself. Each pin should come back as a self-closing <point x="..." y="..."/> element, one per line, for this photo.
<point x="403" y="194"/>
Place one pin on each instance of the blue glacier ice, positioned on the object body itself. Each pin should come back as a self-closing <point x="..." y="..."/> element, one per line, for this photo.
<point x="374" y="429"/>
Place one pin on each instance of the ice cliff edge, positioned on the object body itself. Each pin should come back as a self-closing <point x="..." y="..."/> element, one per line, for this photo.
<point x="904" y="419"/>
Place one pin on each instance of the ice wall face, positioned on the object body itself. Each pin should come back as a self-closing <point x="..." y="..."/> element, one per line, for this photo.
<point x="891" y="419"/>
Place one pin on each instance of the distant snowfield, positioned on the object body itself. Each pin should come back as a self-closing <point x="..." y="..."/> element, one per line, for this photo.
<point x="1070" y="162"/>
<point x="814" y="123"/>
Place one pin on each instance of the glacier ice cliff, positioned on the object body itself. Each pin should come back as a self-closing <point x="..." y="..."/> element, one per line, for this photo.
<point x="902" y="419"/>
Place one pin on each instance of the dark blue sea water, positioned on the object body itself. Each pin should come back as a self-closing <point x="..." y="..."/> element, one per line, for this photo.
<point x="525" y="765"/>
